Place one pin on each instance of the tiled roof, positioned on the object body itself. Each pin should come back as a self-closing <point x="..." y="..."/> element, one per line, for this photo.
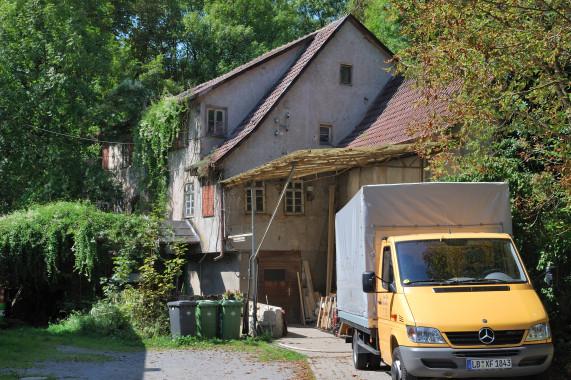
<point x="396" y="108"/>
<point x="315" y="42"/>
<point x="212" y="84"/>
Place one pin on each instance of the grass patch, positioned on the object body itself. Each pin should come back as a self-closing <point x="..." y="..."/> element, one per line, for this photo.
<point x="21" y="347"/>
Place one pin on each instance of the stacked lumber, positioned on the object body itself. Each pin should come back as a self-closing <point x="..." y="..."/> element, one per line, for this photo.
<point x="325" y="315"/>
<point x="307" y="295"/>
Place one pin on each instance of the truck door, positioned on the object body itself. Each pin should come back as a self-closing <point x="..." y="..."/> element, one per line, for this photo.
<point x="385" y="302"/>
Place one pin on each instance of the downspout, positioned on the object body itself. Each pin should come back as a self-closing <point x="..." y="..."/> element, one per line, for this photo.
<point x="221" y="224"/>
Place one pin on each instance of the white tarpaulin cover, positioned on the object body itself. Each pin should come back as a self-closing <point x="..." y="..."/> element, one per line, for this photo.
<point x="405" y="209"/>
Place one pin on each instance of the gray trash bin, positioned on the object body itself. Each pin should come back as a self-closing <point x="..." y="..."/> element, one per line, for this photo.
<point x="182" y="315"/>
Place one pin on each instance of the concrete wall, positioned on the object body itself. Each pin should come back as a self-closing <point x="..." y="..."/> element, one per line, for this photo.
<point x="318" y="97"/>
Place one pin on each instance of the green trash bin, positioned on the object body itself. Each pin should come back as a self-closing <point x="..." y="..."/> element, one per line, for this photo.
<point x="230" y="318"/>
<point x="206" y="318"/>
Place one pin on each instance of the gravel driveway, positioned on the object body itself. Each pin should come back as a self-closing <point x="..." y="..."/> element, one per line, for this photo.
<point x="166" y="364"/>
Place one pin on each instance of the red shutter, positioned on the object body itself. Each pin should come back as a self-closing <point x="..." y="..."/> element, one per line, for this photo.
<point x="105" y="157"/>
<point x="207" y="200"/>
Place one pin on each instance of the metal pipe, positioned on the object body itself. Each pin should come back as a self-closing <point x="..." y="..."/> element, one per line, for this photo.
<point x="255" y="256"/>
<point x="221" y="238"/>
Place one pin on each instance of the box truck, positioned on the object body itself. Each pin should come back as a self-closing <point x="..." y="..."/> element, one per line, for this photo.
<point x="430" y="282"/>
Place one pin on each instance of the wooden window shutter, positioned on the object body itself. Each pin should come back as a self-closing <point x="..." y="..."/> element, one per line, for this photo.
<point x="207" y="200"/>
<point x="105" y="157"/>
<point x="131" y="149"/>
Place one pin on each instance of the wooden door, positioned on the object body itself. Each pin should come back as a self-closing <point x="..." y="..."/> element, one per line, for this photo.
<point x="278" y="281"/>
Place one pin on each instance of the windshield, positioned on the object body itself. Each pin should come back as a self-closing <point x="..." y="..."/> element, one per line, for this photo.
<point x="458" y="261"/>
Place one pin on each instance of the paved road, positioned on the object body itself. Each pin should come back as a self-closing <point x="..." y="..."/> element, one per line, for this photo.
<point x="329" y="357"/>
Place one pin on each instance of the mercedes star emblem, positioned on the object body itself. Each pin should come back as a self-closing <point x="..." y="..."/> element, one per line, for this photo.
<point x="486" y="335"/>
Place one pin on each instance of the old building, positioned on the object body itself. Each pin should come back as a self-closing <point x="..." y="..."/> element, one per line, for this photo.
<point x="315" y="119"/>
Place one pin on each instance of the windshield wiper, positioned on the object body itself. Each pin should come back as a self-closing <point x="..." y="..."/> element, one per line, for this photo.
<point x="482" y="280"/>
<point x="432" y="281"/>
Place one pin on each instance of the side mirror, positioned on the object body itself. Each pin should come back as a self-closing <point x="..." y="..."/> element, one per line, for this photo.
<point x="551" y="276"/>
<point x="369" y="283"/>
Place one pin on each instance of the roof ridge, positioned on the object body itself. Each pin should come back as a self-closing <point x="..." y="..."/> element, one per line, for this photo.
<point x="258" y="114"/>
<point x="217" y="81"/>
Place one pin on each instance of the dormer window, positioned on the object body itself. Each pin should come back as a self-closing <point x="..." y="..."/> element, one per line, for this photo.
<point x="216" y="121"/>
<point x="346" y="74"/>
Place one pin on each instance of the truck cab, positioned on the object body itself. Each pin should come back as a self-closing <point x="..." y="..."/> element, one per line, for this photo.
<point x="457" y="305"/>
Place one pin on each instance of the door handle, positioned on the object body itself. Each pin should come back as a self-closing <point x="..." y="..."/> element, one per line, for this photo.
<point x="289" y="292"/>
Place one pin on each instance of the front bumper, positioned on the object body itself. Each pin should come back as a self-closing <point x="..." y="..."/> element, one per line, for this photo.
<point x="451" y="362"/>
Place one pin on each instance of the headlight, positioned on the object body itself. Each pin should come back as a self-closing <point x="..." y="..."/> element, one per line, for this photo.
<point x="538" y="332"/>
<point x="424" y="335"/>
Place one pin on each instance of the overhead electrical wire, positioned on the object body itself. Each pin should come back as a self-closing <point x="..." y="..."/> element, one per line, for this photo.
<point x="82" y="138"/>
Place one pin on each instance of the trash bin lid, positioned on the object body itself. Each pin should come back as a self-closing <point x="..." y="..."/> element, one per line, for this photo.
<point x="208" y="303"/>
<point x="181" y="303"/>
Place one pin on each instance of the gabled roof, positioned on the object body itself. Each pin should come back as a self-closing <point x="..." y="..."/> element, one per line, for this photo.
<point x="314" y="44"/>
<point x="394" y="111"/>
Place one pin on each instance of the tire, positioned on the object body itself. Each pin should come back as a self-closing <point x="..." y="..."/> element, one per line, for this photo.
<point x="398" y="369"/>
<point x="374" y="362"/>
<point x="359" y="360"/>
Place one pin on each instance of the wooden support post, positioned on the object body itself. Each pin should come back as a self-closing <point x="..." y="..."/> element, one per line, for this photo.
<point x="309" y="283"/>
<point x="330" y="241"/>
<point x="301" y="299"/>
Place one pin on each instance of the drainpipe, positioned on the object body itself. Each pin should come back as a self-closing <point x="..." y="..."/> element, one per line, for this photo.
<point x="221" y="224"/>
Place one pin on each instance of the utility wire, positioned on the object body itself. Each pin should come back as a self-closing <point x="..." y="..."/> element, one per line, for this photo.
<point x="83" y="138"/>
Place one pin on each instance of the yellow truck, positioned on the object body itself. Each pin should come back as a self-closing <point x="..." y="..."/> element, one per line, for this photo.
<point x="430" y="282"/>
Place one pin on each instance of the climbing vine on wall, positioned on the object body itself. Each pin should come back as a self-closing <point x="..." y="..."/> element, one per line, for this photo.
<point x="155" y="136"/>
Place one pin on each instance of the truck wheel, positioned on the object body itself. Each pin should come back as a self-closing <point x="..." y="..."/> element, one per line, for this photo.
<point x="374" y="362"/>
<point x="398" y="370"/>
<point x="359" y="359"/>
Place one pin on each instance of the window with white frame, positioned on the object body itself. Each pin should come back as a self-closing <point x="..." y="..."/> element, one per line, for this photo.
<point x="346" y="74"/>
<point x="188" y="200"/>
<point x="259" y="191"/>
<point x="294" y="198"/>
<point x="325" y="134"/>
<point x="215" y="121"/>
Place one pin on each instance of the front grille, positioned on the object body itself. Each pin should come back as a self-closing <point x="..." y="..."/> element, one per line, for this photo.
<point x="486" y="353"/>
<point x="471" y="338"/>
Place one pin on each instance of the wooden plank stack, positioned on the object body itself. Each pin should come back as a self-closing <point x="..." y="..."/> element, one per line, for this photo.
<point x="325" y="316"/>
<point x="307" y="295"/>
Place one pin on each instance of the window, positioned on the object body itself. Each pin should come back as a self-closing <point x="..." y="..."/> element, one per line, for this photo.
<point x="188" y="200"/>
<point x="388" y="278"/>
<point x="216" y="121"/>
<point x="346" y="74"/>
<point x="325" y="134"/>
<point x="126" y="155"/>
<point x="207" y="200"/>
<point x="294" y="198"/>
<point x="259" y="197"/>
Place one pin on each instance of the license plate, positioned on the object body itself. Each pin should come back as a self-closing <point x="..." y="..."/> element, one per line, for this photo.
<point x="497" y="363"/>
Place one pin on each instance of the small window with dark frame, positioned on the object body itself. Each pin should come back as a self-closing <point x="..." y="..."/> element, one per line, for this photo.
<point x="259" y="190"/>
<point x="346" y="74"/>
<point x="294" y="198"/>
<point x="215" y="121"/>
<point x="325" y="134"/>
<point x="126" y="155"/>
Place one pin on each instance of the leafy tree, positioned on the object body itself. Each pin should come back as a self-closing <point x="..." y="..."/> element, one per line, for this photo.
<point x="54" y="67"/>
<point x="380" y="17"/>
<point x="505" y="67"/>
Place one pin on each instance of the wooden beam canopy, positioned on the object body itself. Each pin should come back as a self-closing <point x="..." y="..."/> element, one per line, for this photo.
<point x="315" y="161"/>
